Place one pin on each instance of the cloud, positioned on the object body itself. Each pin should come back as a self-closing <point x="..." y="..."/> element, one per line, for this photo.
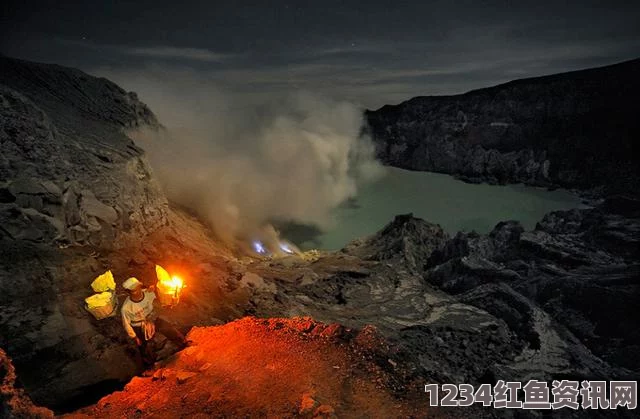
<point x="197" y="54"/>
<point x="158" y="51"/>
<point x="373" y="71"/>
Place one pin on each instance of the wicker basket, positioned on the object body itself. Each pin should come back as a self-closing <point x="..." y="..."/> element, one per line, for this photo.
<point x="104" y="311"/>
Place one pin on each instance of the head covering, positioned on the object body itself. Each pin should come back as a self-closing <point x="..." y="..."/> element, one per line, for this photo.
<point x="131" y="284"/>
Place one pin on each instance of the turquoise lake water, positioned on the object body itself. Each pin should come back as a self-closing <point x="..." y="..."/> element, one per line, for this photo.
<point x="441" y="199"/>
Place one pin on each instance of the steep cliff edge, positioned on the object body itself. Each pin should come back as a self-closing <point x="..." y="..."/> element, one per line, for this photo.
<point x="576" y="129"/>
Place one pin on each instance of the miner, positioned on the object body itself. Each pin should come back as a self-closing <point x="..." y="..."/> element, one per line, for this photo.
<point x="140" y="320"/>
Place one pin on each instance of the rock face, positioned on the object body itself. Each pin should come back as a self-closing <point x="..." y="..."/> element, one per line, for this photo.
<point x="68" y="171"/>
<point x="554" y="302"/>
<point x="77" y="197"/>
<point x="406" y="241"/>
<point x="574" y="129"/>
<point x="72" y="184"/>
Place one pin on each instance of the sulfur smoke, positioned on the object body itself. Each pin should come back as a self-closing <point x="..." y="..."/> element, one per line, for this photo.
<point x="240" y="163"/>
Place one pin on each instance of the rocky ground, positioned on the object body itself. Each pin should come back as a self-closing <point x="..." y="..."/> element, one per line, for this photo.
<point x="14" y="402"/>
<point x="270" y="368"/>
<point x="77" y="197"/>
<point x="576" y="130"/>
<point x="552" y="302"/>
<point x="407" y="306"/>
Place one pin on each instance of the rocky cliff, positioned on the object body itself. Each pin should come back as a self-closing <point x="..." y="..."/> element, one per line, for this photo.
<point x="68" y="171"/>
<point x="576" y="129"/>
<point x="77" y="197"/>
<point x="72" y="184"/>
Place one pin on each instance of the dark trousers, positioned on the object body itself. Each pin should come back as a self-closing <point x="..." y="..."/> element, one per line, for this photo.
<point x="148" y="350"/>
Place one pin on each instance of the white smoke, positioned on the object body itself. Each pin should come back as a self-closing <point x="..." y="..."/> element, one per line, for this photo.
<point x="241" y="163"/>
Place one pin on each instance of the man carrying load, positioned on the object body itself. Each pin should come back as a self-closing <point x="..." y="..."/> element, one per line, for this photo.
<point x="140" y="320"/>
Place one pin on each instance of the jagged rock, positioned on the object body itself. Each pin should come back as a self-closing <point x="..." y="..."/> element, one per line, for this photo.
<point x="549" y="350"/>
<point x="252" y="280"/>
<point x="406" y="240"/>
<point x="69" y="175"/>
<point x="54" y="139"/>
<point x="334" y="331"/>
<point x="91" y="207"/>
<point x="565" y="266"/>
<point x="477" y="308"/>
<point x="159" y="374"/>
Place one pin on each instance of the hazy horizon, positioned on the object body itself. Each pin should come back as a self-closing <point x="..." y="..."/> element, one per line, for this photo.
<point x="370" y="54"/>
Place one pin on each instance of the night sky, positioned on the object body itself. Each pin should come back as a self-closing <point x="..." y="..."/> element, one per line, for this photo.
<point x="371" y="52"/>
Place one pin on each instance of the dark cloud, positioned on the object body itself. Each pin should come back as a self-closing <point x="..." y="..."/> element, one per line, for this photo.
<point x="372" y="52"/>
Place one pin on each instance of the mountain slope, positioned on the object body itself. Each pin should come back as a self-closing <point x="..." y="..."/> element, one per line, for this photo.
<point x="576" y="129"/>
<point x="77" y="197"/>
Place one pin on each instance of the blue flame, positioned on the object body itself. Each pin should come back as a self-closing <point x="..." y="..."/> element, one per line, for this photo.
<point x="285" y="248"/>
<point x="259" y="247"/>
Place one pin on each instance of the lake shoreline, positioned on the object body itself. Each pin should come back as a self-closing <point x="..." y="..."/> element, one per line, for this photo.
<point x="438" y="198"/>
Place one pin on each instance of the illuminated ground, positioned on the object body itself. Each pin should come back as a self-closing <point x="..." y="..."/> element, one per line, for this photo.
<point x="270" y="368"/>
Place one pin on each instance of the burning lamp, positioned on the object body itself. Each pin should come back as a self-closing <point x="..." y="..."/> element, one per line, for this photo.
<point x="169" y="287"/>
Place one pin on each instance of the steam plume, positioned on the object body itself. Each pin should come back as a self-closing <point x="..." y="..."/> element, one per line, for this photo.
<point x="240" y="162"/>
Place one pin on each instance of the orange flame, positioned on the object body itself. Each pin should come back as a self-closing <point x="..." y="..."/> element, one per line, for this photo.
<point x="176" y="282"/>
<point x="169" y="285"/>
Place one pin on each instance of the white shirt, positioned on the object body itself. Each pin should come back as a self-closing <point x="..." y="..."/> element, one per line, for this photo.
<point x="137" y="312"/>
